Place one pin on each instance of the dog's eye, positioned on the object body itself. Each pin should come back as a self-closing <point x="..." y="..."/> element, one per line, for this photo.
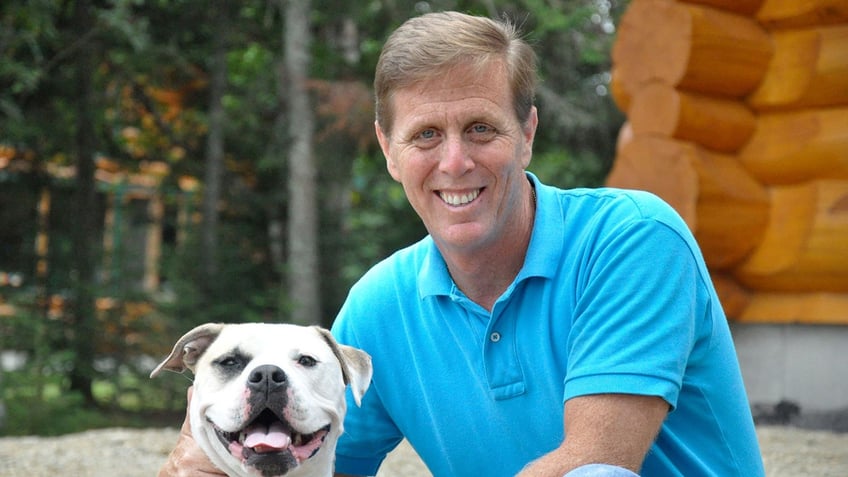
<point x="307" y="361"/>
<point x="233" y="361"/>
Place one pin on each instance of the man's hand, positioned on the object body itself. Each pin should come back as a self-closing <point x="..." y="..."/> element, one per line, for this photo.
<point x="187" y="459"/>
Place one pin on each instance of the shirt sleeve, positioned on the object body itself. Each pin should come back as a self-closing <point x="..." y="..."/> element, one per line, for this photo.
<point x="637" y="312"/>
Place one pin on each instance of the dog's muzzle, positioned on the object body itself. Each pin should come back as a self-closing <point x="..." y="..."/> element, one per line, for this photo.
<point x="268" y="442"/>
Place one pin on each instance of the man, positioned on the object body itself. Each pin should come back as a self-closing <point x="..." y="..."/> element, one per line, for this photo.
<point x="534" y="331"/>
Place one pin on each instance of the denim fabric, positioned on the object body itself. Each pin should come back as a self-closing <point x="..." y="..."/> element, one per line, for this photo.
<point x="600" y="470"/>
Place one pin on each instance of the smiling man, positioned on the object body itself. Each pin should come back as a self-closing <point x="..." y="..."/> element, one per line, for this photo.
<point x="534" y="331"/>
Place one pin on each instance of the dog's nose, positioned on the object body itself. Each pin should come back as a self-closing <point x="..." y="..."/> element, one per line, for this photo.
<point x="267" y="377"/>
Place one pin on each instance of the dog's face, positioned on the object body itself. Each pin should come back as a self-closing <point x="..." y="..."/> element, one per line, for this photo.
<point x="269" y="398"/>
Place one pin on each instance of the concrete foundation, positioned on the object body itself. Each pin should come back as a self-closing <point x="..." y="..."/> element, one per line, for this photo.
<point x="789" y="366"/>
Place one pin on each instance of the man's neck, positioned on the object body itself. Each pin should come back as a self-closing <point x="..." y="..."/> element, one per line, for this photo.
<point x="484" y="278"/>
<point x="484" y="274"/>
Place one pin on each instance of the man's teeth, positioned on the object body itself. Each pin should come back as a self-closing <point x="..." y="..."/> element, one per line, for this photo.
<point x="459" y="199"/>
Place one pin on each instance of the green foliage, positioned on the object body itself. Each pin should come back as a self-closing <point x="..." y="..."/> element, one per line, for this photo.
<point x="573" y="41"/>
<point x="52" y="410"/>
<point x="567" y="170"/>
<point x="29" y="34"/>
<point x="243" y="293"/>
<point x="380" y="220"/>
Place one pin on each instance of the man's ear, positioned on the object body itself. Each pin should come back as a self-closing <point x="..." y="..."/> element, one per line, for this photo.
<point x="528" y="130"/>
<point x="188" y="349"/>
<point x="385" y="141"/>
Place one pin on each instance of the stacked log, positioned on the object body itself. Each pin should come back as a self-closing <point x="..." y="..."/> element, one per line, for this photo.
<point x="737" y="115"/>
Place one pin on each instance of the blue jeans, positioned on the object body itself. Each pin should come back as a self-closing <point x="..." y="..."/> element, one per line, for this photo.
<point x="600" y="470"/>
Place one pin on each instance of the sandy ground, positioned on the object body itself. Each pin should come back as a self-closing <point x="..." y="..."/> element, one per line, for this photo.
<point x="787" y="452"/>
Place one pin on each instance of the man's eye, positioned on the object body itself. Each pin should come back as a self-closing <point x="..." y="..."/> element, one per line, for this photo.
<point x="425" y="139"/>
<point x="481" y="131"/>
<point x="427" y="134"/>
<point x="307" y="361"/>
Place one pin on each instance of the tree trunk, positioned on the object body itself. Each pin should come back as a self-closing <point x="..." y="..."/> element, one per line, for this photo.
<point x="303" y="279"/>
<point x="214" y="150"/>
<point x="83" y="321"/>
<point x="276" y="157"/>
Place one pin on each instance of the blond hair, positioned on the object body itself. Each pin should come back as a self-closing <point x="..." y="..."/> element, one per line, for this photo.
<point x="431" y="44"/>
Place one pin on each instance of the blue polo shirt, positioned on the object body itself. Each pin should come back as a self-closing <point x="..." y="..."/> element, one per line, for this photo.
<point x="613" y="297"/>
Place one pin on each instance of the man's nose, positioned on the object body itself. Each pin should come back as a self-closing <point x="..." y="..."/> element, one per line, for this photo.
<point x="455" y="159"/>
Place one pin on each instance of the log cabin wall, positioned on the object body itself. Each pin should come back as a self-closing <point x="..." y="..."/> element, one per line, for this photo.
<point x="737" y="115"/>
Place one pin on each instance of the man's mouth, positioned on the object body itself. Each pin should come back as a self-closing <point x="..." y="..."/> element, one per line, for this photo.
<point x="459" y="198"/>
<point x="269" y="434"/>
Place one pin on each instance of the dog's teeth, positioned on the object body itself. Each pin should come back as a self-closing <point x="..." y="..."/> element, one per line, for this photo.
<point x="297" y="439"/>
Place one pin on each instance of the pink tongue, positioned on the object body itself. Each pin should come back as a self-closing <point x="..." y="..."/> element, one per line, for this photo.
<point x="267" y="439"/>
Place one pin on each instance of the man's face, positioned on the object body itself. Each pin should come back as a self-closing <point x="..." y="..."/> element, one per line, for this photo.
<point x="459" y="151"/>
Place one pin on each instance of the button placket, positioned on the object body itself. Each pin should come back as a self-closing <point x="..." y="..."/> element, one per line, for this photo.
<point x="503" y="368"/>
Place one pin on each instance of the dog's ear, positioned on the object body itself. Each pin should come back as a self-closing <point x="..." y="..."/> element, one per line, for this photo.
<point x="356" y="365"/>
<point x="189" y="349"/>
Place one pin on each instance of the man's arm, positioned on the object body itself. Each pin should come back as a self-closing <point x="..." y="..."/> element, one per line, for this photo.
<point x="615" y="429"/>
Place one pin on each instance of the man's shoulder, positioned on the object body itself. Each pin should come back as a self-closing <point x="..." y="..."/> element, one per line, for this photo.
<point x="400" y="265"/>
<point x="612" y="198"/>
<point x="391" y="281"/>
<point x="619" y="205"/>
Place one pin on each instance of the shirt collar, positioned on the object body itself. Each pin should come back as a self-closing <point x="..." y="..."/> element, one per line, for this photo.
<point x="433" y="278"/>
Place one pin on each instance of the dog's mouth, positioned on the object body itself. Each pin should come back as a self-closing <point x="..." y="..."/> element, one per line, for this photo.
<point x="269" y="441"/>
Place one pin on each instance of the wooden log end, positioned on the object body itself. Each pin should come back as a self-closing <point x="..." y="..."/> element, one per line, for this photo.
<point x="659" y="166"/>
<point x="803" y="249"/>
<point x="781" y="14"/>
<point x="734" y="298"/>
<point x="813" y="308"/>
<point x="715" y="123"/>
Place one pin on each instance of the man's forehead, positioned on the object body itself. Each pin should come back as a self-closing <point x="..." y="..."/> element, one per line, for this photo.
<point x="459" y="78"/>
<point x="472" y="100"/>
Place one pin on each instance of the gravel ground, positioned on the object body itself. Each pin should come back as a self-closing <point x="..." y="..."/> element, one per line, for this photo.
<point x="787" y="452"/>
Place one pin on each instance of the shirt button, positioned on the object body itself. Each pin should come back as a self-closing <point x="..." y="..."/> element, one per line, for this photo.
<point x="495" y="337"/>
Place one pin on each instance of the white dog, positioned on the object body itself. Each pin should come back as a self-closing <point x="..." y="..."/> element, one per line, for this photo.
<point x="269" y="399"/>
